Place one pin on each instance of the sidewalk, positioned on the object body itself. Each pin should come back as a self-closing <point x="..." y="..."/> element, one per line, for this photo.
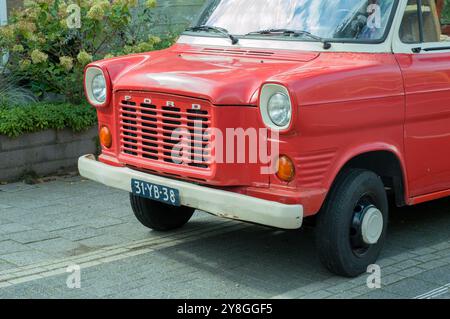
<point x="47" y="227"/>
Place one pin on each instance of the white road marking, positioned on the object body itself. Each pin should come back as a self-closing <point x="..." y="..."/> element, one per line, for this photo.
<point x="28" y="273"/>
<point x="435" y="292"/>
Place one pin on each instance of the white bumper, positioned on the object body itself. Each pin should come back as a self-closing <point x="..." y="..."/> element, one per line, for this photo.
<point x="217" y="202"/>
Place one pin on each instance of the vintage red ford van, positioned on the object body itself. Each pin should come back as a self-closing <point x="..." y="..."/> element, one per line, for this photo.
<point x="273" y="111"/>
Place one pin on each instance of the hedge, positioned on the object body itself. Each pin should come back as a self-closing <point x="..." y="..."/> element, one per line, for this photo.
<point x="18" y="120"/>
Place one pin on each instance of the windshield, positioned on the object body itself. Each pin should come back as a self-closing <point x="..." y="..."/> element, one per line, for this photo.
<point x="355" y="20"/>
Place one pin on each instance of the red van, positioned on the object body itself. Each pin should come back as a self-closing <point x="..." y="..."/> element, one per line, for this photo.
<point x="270" y="112"/>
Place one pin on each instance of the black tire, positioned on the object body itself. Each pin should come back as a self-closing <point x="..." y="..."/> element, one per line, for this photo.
<point x="159" y="216"/>
<point x="335" y="233"/>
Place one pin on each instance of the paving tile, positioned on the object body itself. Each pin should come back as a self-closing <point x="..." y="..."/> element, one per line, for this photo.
<point x="55" y="246"/>
<point x="438" y="276"/>
<point x="407" y="264"/>
<point x="131" y="230"/>
<point x="341" y="287"/>
<point x="428" y="257"/>
<point x="15" y="187"/>
<point x="120" y="212"/>
<point x="445" y="296"/>
<point x="58" y="224"/>
<point x="13" y="228"/>
<point x="345" y="295"/>
<point x="318" y="295"/>
<point x="385" y="262"/>
<point x="444" y="252"/>
<point x="442" y="246"/>
<point x="410" y="287"/>
<point x="103" y="241"/>
<point x="410" y="272"/>
<point x="389" y="270"/>
<point x="25" y="258"/>
<point x="24" y="291"/>
<point x="392" y="278"/>
<point x="5" y="265"/>
<point x="424" y="251"/>
<point x="78" y="233"/>
<point x="9" y="246"/>
<point x="31" y="236"/>
<point x="4" y="221"/>
<point x="380" y="294"/>
<point x="101" y="222"/>
<point x="19" y="200"/>
<point x="15" y="214"/>
<point x="432" y="264"/>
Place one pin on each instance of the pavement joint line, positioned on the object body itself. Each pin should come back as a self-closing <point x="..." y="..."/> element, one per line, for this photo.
<point x="59" y="266"/>
<point x="105" y="252"/>
<point x="64" y="262"/>
<point x="5" y="284"/>
<point x="434" y="293"/>
<point x="101" y="253"/>
<point x="195" y="230"/>
<point x="294" y="293"/>
<point x="440" y="294"/>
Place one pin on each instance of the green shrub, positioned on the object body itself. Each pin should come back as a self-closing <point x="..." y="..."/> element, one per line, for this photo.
<point x="446" y="12"/>
<point x="45" y="49"/>
<point x="15" y="121"/>
<point x="11" y="93"/>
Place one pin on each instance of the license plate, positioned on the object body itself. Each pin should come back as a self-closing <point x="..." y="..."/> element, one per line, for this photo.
<point x="156" y="192"/>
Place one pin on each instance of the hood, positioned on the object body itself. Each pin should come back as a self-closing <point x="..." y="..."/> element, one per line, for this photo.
<point x="222" y="76"/>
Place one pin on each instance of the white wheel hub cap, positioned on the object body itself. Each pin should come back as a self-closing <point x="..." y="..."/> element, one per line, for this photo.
<point x="372" y="226"/>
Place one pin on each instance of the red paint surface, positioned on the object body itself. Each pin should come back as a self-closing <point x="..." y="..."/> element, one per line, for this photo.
<point x="345" y="104"/>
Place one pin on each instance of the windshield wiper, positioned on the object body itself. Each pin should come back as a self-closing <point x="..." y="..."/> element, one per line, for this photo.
<point x="207" y="28"/>
<point x="289" y="32"/>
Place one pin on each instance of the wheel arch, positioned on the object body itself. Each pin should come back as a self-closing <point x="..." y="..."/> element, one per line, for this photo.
<point x="384" y="160"/>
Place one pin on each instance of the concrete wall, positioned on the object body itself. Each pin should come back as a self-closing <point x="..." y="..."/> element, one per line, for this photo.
<point x="13" y="4"/>
<point x="44" y="153"/>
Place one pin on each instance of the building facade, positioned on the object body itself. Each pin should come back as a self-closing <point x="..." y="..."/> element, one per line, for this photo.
<point x="3" y="12"/>
<point x="170" y="15"/>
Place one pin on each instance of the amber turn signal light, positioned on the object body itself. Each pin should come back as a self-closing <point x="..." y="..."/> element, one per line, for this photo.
<point x="105" y="137"/>
<point x="286" y="169"/>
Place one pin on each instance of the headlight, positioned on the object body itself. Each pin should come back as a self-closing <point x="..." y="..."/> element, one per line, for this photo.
<point x="99" y="88"/>
<point x="96" y="86"/>
<point x="279" y="109"/>
<point x="276" y="106"/>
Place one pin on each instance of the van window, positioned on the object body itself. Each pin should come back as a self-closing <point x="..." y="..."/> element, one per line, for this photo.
<point x="431" y="15"/>
<point x="355" y="20"/>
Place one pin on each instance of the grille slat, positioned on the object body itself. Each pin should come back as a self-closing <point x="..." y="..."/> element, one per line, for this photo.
<point x="190" y="145"/>
<point x="186" y="124"/>
<point x="201" y="113"/>
<point x="147" y="132"/>
<point x="193" y="133"/>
